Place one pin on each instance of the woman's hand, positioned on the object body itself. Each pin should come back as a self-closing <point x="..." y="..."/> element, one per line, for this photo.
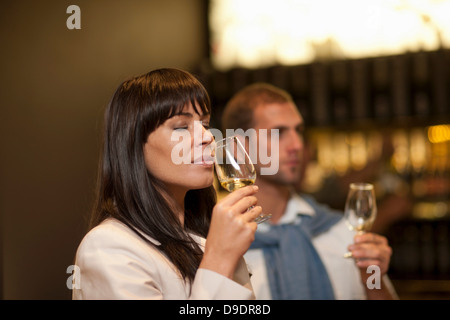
<point x="232" y="231"/>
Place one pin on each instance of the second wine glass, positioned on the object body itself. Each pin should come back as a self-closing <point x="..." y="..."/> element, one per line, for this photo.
<point x="360" y="208"/>
<point x="234" y="167"/>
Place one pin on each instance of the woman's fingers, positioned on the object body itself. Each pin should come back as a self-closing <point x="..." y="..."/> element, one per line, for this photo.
<point x="237" y="195"/>
<point x="241" y="202"/>
<point x="252" y="213"/>
<point x="244" y="204"/>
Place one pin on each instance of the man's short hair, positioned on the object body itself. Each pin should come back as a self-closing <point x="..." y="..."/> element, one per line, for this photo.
<point x="238" y="112"/>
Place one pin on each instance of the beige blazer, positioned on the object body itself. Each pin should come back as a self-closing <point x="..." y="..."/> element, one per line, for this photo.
<point x="115" y="263"/>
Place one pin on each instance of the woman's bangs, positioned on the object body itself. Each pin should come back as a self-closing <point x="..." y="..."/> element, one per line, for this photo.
<point x="169" y="98"/>
<point x="200" y="101"/>
<point x="196" y="96"/>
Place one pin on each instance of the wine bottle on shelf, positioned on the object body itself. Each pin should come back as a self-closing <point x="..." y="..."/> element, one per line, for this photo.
<point x="300" y="84"/>
<point x="420" y="91"/>
<point x="360" y="89"/>
<point x="440" y="82"/>
<point x="320" y="93"/>
<point x="381" y="91"/>
<point x="400" y="87"/>
<point x="340" y="92"/>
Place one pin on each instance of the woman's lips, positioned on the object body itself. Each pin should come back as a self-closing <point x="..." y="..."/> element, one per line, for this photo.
<point x="206" y="157"/>
<point x="205" y="160"/>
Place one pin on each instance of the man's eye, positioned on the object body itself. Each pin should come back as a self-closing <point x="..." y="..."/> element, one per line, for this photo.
<point x="181" y="128"/>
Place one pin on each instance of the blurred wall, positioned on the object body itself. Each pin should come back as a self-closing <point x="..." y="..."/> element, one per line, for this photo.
<point x="54" y="85"/>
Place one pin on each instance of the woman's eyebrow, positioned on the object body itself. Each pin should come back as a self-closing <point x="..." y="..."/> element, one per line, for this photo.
<point x="190" y="115"/>
<point x="184" y="114"/>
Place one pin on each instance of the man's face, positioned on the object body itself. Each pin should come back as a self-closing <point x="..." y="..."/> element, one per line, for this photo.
<point x="286" y="118"/>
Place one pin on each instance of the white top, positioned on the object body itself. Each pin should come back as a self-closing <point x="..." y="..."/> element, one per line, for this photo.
<point x="331" y="245"/>
<point x="115" y="263"/>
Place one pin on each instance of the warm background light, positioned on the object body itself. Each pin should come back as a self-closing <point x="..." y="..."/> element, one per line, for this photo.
<point x="257" y="33"/>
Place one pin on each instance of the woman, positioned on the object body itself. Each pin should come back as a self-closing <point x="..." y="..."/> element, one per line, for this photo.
<point x="152" y="212"/>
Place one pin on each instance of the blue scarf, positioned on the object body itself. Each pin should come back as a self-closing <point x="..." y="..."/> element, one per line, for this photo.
<point x="294" y="268"/>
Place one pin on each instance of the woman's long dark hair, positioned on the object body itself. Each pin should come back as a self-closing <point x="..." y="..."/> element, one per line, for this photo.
<point x="126" y="190"/>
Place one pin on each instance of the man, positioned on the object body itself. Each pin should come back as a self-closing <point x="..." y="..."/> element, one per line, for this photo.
<point x="299" y="253"/>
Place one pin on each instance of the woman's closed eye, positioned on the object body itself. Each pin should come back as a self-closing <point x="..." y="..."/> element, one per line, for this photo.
<point x="206" y="125"/>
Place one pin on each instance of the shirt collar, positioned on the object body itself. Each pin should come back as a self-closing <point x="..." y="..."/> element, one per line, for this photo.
<point x="296" y="206"/>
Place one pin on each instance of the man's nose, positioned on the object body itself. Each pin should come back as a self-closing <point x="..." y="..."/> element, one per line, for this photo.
<point x="295" y="142"/>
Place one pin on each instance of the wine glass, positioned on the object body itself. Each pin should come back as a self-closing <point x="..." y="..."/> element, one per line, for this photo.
<point x="234" y="167"/>
<point x="360" y="208"/>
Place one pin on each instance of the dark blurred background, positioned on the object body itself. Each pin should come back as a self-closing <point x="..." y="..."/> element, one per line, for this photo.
<point x="380" y="119"/>
<point x="55" y="84"/>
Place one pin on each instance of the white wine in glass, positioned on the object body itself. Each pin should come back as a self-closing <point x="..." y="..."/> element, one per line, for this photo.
<point x="235" y="183"/>
<point x="360" y="208"/>
<point x="234" y="167"/>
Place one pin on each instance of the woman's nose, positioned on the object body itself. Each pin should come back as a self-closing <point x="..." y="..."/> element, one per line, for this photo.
<point x="206" y="135"/>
